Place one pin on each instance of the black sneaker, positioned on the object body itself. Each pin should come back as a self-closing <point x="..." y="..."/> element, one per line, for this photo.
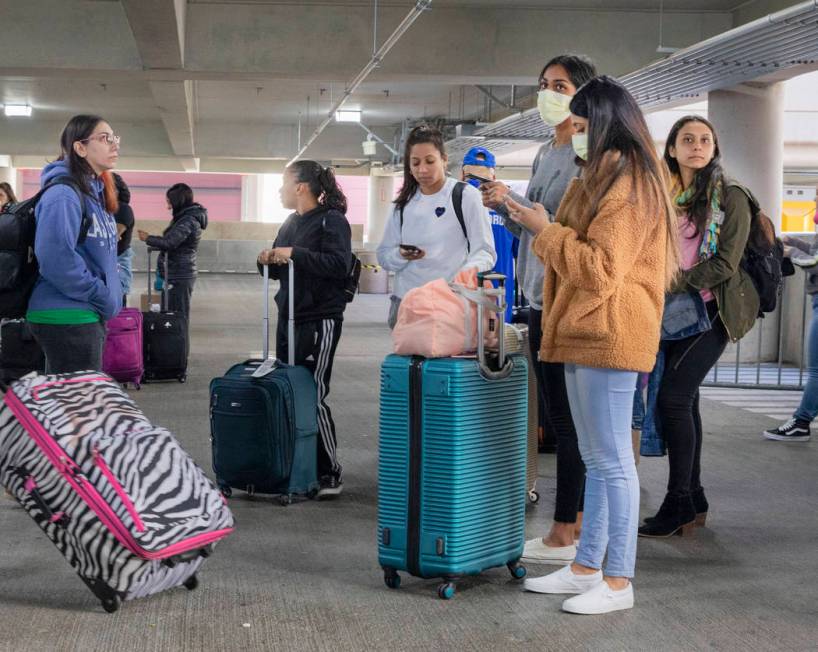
<point x="330" y="487"/>
<point x="793" y="430"/>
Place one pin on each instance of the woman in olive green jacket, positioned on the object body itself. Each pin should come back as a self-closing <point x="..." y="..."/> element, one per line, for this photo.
<point x="714" y="225"/>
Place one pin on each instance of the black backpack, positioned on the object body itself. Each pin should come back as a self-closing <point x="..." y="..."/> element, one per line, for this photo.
<point x="18" y="266"/>
<point x="353" y="276"/>
<point x="763" y="258"/>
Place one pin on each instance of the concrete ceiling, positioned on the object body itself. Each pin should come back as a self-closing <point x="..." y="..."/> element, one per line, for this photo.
<point x="208" y="84"/>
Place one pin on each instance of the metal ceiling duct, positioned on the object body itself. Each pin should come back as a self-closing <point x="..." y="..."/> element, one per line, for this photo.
<point x="781" y="40"/>
<point x="374" y="62"/>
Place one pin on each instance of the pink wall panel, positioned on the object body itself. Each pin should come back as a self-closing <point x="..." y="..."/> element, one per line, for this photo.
<point x="219" y="193"/>
<point x="356" y="190"/>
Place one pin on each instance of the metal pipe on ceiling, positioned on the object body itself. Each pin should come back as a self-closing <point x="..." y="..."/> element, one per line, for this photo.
<point x="772" y="42"/>
<point x="374" y="62"/>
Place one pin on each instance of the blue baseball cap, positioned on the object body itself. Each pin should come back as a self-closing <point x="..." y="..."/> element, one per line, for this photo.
<point x="471" y="157"/>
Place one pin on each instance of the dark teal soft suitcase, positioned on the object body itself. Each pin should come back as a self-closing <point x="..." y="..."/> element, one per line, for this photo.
<point x="452" y="466"/>
<point x="264" y="430"/>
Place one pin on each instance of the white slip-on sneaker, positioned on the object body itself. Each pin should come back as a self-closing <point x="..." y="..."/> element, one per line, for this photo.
<point x="601" y="599"/>
<point x="537" y="552"/>
<point x="562" y="581"/>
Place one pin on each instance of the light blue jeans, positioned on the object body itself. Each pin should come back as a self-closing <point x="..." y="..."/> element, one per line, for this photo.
<point x="124" y="265"/>
<point x="808" y="409"/>
<point x="602" y="404"/>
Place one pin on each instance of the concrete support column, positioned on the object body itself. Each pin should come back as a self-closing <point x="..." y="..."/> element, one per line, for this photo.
<point x="381" y="189"/>
<point x="749" y="121"/>
<point x="750" y="125"/>
<point x="251" y="200"/>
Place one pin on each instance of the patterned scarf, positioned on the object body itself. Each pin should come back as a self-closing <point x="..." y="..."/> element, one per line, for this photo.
<point x="710" y="238"/>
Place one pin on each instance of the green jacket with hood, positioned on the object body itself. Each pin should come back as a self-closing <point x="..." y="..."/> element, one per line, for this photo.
<point x="722" y="274"/>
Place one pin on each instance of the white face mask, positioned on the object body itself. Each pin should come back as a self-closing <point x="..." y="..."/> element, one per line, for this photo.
<point x="553" y="107"/>
<point x="580" y="144"/>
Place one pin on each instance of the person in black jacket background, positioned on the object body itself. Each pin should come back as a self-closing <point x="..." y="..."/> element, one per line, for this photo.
<point x="179" y="243"/>
<point x="318" y="239"/>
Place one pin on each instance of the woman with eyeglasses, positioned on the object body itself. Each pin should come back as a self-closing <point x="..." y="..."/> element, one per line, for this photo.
<point x="609" y="255"/>
<point x="78" y="287"/>
<point x="179" y="242"/>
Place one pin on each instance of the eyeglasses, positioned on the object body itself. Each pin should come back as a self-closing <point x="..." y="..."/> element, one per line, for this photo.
<point x="104" y="137"/>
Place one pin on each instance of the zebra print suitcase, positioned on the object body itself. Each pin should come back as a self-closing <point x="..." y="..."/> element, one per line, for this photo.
<point x="124" y="504"/>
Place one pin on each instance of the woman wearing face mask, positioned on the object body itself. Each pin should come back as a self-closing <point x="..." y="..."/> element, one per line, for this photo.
<point x="608" y="258"/>
<point x="78" y="288"/>
<point x="423" y="239"/>
<point x="7" y="196"/>
<point x="553" y="169"/>
<point x="317" y="238"/>
<point x="714" y="226"/>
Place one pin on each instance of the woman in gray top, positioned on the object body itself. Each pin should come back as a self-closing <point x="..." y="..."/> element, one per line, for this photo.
<point x="553" y="169"/>
<point x="804" y="254"/>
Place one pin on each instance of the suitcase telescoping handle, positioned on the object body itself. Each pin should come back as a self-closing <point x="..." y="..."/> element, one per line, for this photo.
<point x="163" y="297"/>
<point x="504" y="366"/>
<point x="290" y="311"/>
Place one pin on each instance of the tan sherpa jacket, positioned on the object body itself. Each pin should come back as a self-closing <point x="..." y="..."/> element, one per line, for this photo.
<point x="604" y="292"/>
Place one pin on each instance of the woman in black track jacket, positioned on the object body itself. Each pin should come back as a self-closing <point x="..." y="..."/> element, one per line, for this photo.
<point x="317" y="238"/>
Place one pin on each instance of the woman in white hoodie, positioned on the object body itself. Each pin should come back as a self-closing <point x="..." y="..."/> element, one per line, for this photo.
<point x="438" y="226"/>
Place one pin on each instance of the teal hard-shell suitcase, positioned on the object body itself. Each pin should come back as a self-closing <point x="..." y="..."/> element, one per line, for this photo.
<point x="452" y="467"/>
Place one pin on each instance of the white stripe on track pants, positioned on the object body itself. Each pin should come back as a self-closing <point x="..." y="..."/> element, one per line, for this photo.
<point x="315" y="344"/>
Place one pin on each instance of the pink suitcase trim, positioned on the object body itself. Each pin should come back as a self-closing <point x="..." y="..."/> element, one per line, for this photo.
<point x="69" y="471"/>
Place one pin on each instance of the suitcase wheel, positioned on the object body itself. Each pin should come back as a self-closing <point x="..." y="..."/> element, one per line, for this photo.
<point x="183" y="378"/>
<point x="533" y="497"/>
<point x="391" y="578"/>
<point x="516" y="569"/>
<point x="285" y="500"/>
<point x="191" y="583"/>
<point x="445" y="591"/>
<point x="111" y="604"/>
<point x="225" y="490"/>
<point x="312" y="493"/>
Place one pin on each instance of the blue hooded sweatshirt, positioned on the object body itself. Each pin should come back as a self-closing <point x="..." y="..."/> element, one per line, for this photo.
<point x="74" y="277"/>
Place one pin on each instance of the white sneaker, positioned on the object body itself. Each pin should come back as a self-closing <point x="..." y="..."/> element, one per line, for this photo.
<point x="600" y="600"/>
<point x="536" y="551"/>
<point x="563" y="581"/>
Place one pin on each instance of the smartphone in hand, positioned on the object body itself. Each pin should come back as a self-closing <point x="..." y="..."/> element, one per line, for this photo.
<point x="480" y="180"/>
<point x="412" y="249"/>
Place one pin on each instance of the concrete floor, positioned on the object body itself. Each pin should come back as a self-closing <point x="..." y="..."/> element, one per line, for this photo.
<point x="306" y="577"/>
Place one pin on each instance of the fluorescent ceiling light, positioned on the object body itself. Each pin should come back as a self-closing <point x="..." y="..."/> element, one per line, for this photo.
<point x="18" y="110"/>
<point x="348" y="115"/>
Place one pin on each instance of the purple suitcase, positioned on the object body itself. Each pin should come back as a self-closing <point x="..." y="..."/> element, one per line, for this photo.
<point x="122" y="355"/>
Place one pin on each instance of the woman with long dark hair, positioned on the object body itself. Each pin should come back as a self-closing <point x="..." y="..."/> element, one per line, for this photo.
<point x="7" y="196"/>
<point x="78" y="287"/>
<point x="318" y="239"/>
<point x="608" y="257"/>
<point x="424" y="239"/>
<point x="714" y="225"/>
<point x="554" y="167"/>
<point x="179" y="242"/>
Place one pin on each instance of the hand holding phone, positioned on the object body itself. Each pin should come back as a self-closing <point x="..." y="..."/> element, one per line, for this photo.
<point x="480" y="180"/>
<point x="411" y="252"/>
